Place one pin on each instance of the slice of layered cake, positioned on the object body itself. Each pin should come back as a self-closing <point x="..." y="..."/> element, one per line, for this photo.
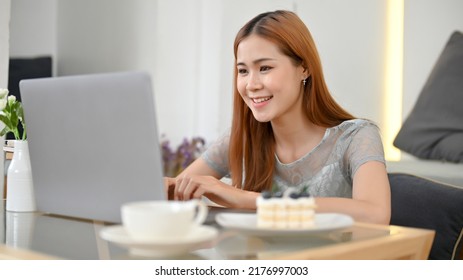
<point x="289" y="210"/>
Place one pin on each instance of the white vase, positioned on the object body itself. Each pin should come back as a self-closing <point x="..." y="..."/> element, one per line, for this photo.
<point x="20" y="190"/>
<point x="2" y="220"/>
<point x="19" y="229"/>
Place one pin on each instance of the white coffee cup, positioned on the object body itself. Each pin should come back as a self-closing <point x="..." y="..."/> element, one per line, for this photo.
<point x="162" y="220"/>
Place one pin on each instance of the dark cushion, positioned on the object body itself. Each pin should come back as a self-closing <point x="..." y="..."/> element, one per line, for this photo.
<point x="27" y="68"/>
<point x="434" y="128"/>
<point x="418" y="202"/>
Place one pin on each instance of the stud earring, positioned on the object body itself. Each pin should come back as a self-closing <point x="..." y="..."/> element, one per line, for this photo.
<point x="304" y="81"/>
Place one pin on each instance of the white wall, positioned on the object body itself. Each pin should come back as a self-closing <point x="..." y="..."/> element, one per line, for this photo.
<point x="4" y="42"/>
<point x="350" y="36"/>
<point x="33" y="29"/>
<point x="105" y="35"/>
<point x="428" y="25"/>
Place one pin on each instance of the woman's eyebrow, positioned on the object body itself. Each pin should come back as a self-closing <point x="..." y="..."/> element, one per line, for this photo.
<point x="257" y="61"/>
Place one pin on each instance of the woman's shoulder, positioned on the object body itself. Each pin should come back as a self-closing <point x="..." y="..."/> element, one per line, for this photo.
<point x="355" y="125"/>
<point x="358" y="123"/>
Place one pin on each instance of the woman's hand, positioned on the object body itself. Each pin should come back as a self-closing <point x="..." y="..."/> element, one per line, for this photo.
<point x="187" y="187"/>
<point x="198" y="179"/>
<point x="169" y="187"/>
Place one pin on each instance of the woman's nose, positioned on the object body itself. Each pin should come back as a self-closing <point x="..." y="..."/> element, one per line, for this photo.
<point x="254" y="82"/>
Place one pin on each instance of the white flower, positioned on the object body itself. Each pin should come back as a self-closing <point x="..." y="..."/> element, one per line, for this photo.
<point x="11" y="99"/>
<point x="3" y="92"/>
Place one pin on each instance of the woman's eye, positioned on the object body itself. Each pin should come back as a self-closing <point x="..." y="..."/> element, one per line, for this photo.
<point x="265" y="68"/>
<point x="242" y="71"/>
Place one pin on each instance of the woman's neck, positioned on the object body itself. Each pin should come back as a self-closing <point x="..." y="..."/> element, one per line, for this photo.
<point x="296" y="137"/>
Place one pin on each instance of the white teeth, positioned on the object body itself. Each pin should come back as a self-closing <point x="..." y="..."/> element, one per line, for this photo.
<point x="260" y="100"/>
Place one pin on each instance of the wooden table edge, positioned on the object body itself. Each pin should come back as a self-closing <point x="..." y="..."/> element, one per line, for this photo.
<point x="12" y="253"/>
<point x="405" y="243"/>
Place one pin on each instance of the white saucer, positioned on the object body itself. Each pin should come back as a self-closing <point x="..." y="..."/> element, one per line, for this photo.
<point x="247" y="224"/>
<point x="200" y="237"/>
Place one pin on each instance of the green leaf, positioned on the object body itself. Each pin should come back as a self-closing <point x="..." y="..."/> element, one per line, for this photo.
<point x="6" y="121"/>
<point x="21" y="113"/>
<point x="14" y="114"/>
<point x="4" y="131"/>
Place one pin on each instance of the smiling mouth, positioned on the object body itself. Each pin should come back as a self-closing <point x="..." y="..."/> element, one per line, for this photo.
<point x="261" y="99"/>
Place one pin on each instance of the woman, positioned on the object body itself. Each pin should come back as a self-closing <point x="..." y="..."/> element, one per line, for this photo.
<point x="288" y="132"/>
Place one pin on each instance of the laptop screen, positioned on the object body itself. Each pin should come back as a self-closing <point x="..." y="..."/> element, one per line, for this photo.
<point x="93" y="143"/>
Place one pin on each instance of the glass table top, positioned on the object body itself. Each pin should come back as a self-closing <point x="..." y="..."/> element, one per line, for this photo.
<point x="68" y="238"/>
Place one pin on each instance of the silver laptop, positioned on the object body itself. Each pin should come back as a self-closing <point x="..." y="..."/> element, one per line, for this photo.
<point x="93" y="143"/>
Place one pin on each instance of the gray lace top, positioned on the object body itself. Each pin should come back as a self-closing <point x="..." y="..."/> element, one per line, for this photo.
<point x="328" y="169"/>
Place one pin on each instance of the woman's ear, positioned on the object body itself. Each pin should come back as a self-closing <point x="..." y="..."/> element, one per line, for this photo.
<point x="305" y="71"/>
<point x="305" y="74"/>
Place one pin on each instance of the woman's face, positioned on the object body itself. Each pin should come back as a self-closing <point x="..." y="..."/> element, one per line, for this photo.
<point x="268" y="81"/>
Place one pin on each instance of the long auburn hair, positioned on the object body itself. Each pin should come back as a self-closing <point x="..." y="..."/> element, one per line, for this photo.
<point x="252" y="144"/>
